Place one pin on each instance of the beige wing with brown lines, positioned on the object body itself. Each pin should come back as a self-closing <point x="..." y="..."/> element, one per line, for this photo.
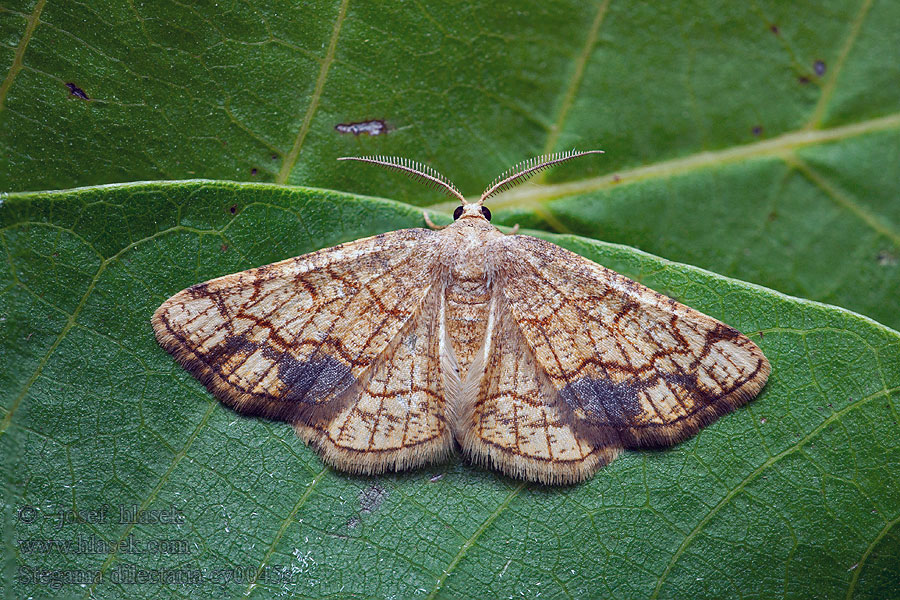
<point x="581" y="362"/>
<point x="336" y="342"/>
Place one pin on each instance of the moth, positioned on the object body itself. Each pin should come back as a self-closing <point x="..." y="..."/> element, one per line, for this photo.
<point x="389" y="352"/>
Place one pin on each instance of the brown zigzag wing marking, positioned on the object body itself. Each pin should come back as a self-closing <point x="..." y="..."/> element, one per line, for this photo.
<point x="615" y="356"/>
<point x="299" y="340"/>
<point x="511" y="418"/>
<point x="399" y="418"/>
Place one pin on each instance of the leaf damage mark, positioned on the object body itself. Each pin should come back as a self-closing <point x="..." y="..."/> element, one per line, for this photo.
<point x="757" y="130"/>
<point x="372" y="127"/>
<point x="819" y="67"/>
<point x="371" y="498"/>
<point x="886" y="258"/>
<point x="254" y="171"/>
<point x="233" y="209"/>
<point x="436" y="478"/>
<point x="77" y="92"/>
<point x="773" y="28"/>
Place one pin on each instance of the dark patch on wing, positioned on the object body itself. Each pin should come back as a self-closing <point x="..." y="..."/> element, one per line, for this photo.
<point x="313" y="380"/>
<point x="606" y="401"/>
<point x="314" y="388"/>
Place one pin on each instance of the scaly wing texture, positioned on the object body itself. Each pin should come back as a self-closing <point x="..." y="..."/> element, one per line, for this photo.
<point x="511" y="417"/>
<point x="617" y="365"/>
<point x="329" y="341"/>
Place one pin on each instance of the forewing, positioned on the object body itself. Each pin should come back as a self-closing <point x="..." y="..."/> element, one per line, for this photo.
<point x="623" y="365"/>
<point x="310" y="339"/>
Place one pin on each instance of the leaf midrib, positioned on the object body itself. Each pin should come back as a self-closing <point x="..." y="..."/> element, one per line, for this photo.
<point x="781" y="147"/>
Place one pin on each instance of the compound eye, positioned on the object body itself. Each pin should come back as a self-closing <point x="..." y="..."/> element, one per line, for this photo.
<point x="457" y="213"/>
<point x="486" y="213"/>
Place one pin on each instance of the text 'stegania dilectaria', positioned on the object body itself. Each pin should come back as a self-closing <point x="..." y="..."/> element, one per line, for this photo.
<point x="383" y="351"/>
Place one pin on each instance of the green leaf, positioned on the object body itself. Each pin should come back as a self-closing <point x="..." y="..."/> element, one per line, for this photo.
<point x="791" y="496"/>
<point x="759" y="140"/>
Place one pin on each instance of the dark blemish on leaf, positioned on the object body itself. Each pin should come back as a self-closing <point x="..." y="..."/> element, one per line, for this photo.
<point x="435" y="478"/>
<point x="371" y="498"/>
<point x="819" y="67"/>
<point x="353" y="522"/>
<point x="253" y="171"/>
<point x="233" y="209"/>
<point x="774" y="29"/>
<point x="886" y="258"/>
<point x="224" y="247"/>
<point x="803" y="79"/>
<point x="757" y="130"/>
<point x="763" y="421"/>
<point x="274" y="157"/>
<point x="373" y="127"/>
<point x="772" y="215"/>
<point x="76" y="91"/>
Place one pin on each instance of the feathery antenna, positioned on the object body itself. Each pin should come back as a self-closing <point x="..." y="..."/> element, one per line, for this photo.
<point x="525" y="169"/>
<point x="423" y="173"/>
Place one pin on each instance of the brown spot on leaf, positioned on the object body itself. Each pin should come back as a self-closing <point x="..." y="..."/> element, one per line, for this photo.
<point x="76" y="91"/>
<point x="886" y="258"/>
<point x="371" y="498"/>
<point x="224" y="247"/>
<point x="803" y="79"/>
<point x="773" y="28"/>
<point x="233" y="209"/>
<point x="371" y="127"/>
<point x="253" y="171"/>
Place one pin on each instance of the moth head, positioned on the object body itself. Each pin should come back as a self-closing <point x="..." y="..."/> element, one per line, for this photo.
<point x="509" y="178"/>
<point x="471" y="209"/>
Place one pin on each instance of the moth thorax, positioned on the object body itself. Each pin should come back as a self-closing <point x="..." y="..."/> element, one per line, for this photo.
<point x="469" y="269"/>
